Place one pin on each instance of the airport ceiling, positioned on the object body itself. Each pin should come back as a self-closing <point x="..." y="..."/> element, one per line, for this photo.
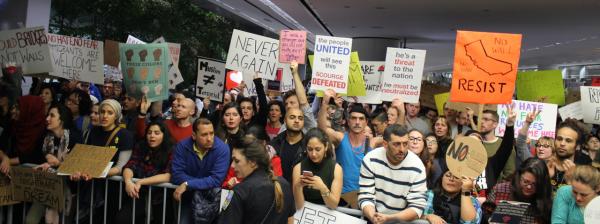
<point x="555" y="32"/>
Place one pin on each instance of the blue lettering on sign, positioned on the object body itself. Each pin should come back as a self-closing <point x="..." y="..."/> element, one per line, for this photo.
<point x="332" y="49"/>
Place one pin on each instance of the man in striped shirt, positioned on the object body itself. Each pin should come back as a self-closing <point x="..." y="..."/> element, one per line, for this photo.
<point x="392" y="180"/>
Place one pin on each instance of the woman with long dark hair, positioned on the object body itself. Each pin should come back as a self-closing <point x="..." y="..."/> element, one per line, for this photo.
<point x="451" y="201"/>
<point x="231" y="128"/>
<point x="416" y="144"/>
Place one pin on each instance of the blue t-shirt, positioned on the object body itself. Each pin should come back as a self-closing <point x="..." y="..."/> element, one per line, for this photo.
<point x="350" y="159"/>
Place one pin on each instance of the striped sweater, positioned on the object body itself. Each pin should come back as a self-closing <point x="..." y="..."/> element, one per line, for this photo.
<point x="390" y="188"/>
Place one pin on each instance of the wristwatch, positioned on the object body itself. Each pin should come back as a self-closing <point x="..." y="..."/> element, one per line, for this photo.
<point x="326" y="194"/>
<point x="468" y="193"/>
<point x="185" y="183"/>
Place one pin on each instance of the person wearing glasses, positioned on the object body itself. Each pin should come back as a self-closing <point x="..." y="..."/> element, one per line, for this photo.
<point x="451" y="201"/>
<point x="489" y="122"/>
<point x="416" y="144"/>
<point x="393" y="182"/>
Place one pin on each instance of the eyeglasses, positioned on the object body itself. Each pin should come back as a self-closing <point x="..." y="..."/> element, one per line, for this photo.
<point x="413" y="139"/>
<point x="526" y="183"/>
<point x="450" y="176"/>
<point x="488" y="119"/>
<point x="543" y="145"/>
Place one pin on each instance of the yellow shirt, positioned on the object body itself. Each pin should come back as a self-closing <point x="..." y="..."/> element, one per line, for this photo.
<point x="200" y="153"/>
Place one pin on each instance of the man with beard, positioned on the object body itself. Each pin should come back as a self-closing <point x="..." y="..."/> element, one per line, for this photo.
<point x="392" y="180"/>
<point x="296" y="98"/>
<point x="288" y="144"/>
<point x="570" y="135"/>
<point x="351" y="146"/>
<point x="489" y="122"/>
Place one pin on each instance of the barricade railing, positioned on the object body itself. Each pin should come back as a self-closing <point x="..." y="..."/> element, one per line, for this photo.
<point x="148" y="204"/>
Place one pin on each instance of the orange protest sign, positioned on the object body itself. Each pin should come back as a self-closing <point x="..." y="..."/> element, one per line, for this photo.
<point x="485" y="67"/>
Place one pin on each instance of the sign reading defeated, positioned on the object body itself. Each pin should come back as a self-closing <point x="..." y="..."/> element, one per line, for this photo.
<point x="590" y="104"/>
<point x="37" y="186"/>
<point x="331" y="63"/>
<point x="27" y="47"/>
<point x="87" y="159"/>
<point x="541" y="86"/>
<point x="485" y="67"/>
<point x="543" y="125"/>
<point x="402" y="75"/>
<point x="467" y="157"/>
<point x="372" y="73"/>
<point x="249" y="53"/>
<point x="145" y="68"/>
<point x="77" y="59"/>
<point x="292" y="46"/>
<point x="319" y="214"/>
<point x="211" y="79"/>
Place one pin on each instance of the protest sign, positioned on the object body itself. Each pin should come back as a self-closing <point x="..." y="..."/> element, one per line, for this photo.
<point x="211" y="79"/>
<point x="319" y="214"/>
<point x="111" y="53"/>
<point x="134" y="40"/>
<point x="541" y="86"/>
<point x="442" y="98"/>
<point x="467" y="157"/>
<point x="572" y="110"/>
<point x="331" y="63"/>
<point x="428" y="92"/>
<point x="6" y="195"/>
<point x="87" y="159"/>
<point x="402" y="75"/>
<point x="292" y="46"/>
<point x="145" y="74"/>
<point x="356" y="82"/>
<point x="37" y="186"/>
<point x="543" y="125"/>
<point x="590" y="104"/>
<point x="509" y="212"/>
<point x="76" y="58"/>
<point x="250" y="53"/>
<point x="595" y="81"/>
<point x="287" y="79"/>
<point x="174" y="73"/>
<point x="250" y="89"/>
<point x="28" y="48"/>
<point x="372" y="73"/>
<point x="592" y="211"/>
<point x="485" y="67"/>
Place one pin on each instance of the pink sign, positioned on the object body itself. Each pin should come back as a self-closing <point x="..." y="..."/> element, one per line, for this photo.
<point x="292" y="46"/>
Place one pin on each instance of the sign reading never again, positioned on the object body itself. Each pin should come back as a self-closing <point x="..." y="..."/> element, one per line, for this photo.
<point x="249" y="53"/>
<point x="467" y="157"/>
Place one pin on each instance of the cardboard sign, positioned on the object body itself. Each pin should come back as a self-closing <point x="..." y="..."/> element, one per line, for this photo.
<point x="541" y="86"/>
<point x="572" y="110"/>
<point x="144" y="68"/>
<point x="467" y="157"/>
<point x="319" y="214"/>
<point x="428" y="92"/>
<point x="442" y="98"/>
<point x="292" y="46"/>
<point x="485" y="67"/>
<point x="77" y="59"/>
<point x="27" y="47"/>
<point x="372" y="73"/>
<point x="211" y="79"/>
<point x="111" y="53"/>
<point x="331" y="63"/>
<point x="87" y="159"/>
<point x="37" y="186"/>
<point x="403" y="74"/>
<point x="590" y="103"/>
<point x="543" y="125"/>
<point x="592" y="211"/>
<point x="6" y="194"/>
<point x="250" y="53"/>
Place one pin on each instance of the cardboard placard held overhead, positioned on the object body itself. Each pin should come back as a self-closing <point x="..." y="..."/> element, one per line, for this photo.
<point x="467" y="157"/>
<point x="372" y="73"/>
<point x="442" y="98"/>
<point x="145" y="68"/>
<point x="403" y="74"/>
<point x="211" y="79"/>
<point x="292" y="46"/>
<point x="76" y="58"/>
<point x="541" y="86"/>
<point x="6" y="194"/>
<point x="37" y="186"/>
<point x="87" y="159"/>
<point x="590" y="103"/>
<point x="485" y="67"/>
<point x="331" y="63"/>
<point x="28" y="48"/>
<point x="111" y="53"/>
<point x="543" y="125"/>
<point x="249" y="53"/>
<point x="428" y="92"/>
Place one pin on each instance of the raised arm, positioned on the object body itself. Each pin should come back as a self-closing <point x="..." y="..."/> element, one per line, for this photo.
<point x="300" y="91"/>
<point x="323" y="123"/>
<point x="521" y="145"/>
<point x="263" y="111"/>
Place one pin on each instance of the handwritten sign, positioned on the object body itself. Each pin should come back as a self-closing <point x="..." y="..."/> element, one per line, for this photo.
<point x="541" y="86"/>
<point x="572" y="110"/>
<point x="144" y="68"/>
<point x="466" y="156"/>
<point x="292" y="46"/>
<point x="27" y="47"/>
<point x="372" y="73"/>
<point x="211" y="79"/>
<point x="318" y="214"/>
<point x="250" y="53"/>
<point x="590" y="103"/>
<point x="76" y="58"/>
<point x="485" y="67"/>
<point x="543" y="125"/>
<point x="356" y="82"/>
<point x="402" y="75"/>
<point x="331" y="63"/>
<point x="6" y="195"/>
<point x="37" y="186"/>
<point x="87" y="159"/>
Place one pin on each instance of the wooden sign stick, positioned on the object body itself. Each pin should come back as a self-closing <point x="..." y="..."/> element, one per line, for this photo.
<point x="479" y="115"/>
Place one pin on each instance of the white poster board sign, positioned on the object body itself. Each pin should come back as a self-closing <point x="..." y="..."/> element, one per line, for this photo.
<point x="287" y="79"/>
<point x="318" y="214"/>
<point x="76" y="58"/>
<point x="174" y="74"/>
<point x="211" y="79"/>
<point x="403" y="74"/>
<point x="590" y="104"/>
<point x="331" y="63"/>
<point x="592" y="212"/>
<point x="543" y="125"/>
<point x="250" y="53"/>
<point x="372" y="73"/>
<point x="572" y="110"/>
<point x="28" y="48"/>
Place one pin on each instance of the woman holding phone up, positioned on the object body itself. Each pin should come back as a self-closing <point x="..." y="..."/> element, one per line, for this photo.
<point x="317" y="178"/>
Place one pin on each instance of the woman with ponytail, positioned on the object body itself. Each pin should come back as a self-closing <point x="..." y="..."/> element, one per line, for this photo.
<point x="262" y="197"/>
